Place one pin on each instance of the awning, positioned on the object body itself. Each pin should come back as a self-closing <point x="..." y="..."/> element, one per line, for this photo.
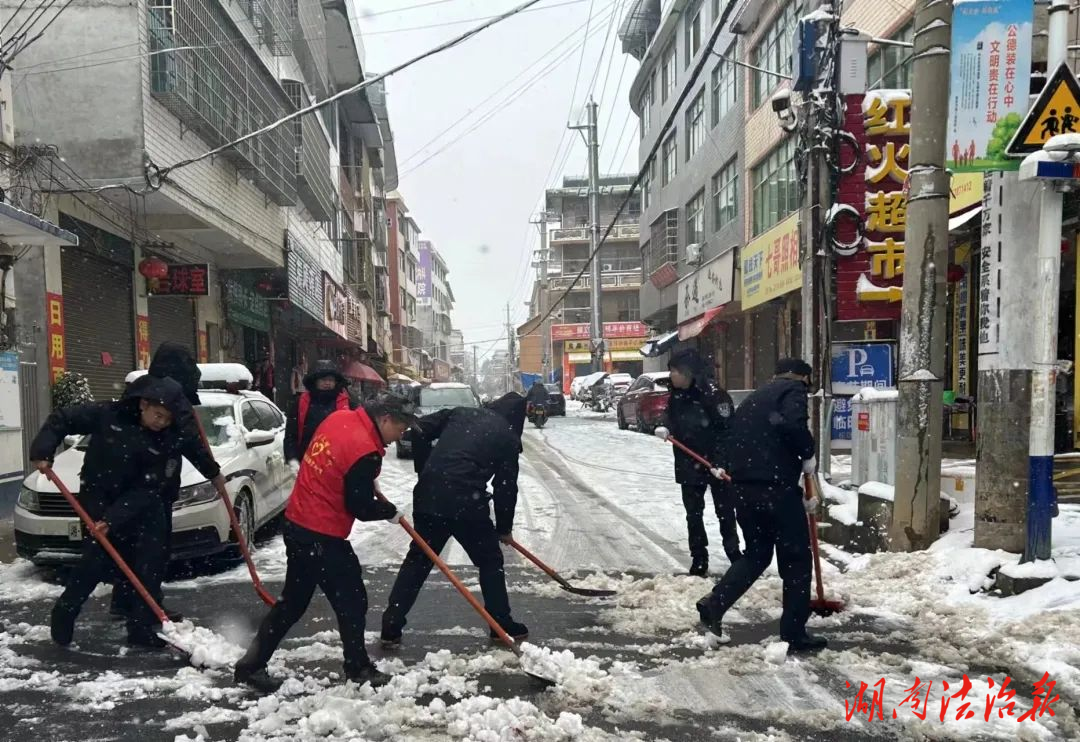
<point x="658" y="346"/>
<point x="361" y="372"/>
<point x="955" y="222"/>
<point x="18" y="227"/>
<point x="692" y="328"/>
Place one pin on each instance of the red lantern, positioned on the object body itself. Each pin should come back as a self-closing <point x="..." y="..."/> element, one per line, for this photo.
<point x="154" y="269"/>
<point x="956" y="273"/>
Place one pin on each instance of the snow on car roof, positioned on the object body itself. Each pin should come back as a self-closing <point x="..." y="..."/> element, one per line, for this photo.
<point x="657" y="375"/>
<point x="212" y="373"/>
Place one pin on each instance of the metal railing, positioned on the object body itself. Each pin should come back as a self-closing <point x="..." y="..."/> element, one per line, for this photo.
<point x="631" y="279"/>
<point x="272" y="22"/>
<point x="626" y="231"/>
<point x="314" y="182"/>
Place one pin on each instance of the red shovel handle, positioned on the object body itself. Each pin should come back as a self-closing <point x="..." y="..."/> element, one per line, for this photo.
<point x="102" y="539"/>
<point x="536" y="560"/>
<point x="808" y="486"/>
<point x="695" y="456"/>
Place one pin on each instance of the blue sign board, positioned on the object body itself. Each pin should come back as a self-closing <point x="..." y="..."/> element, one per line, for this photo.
<point x="854" y="367"/>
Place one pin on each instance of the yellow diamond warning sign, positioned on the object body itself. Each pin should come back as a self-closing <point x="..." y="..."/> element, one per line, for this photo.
<point x="1057" y="111"/>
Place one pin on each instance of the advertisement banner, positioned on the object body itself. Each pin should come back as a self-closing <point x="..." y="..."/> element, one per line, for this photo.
<point x="423" y="280"/>
<point x="335" y="306"/>
<point x="204" y="347"/>
<point x="611" y="330"/>
<point x="770" y="264"/>
<point x="305" y="284"/>
<point x="965" y="191"/>
<point x="10" y="401"/>
<point x="710" y="286"/>
<point x="243" y="305"/>
<point x="54" y="313"/>
<point x="142" y="341"/>
<point x="990" y="80"/>
<point x="961" y="332"/>
<point x="183" y="280"/>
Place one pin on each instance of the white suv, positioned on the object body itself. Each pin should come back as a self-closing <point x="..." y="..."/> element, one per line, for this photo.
<point x="247" y="435"/>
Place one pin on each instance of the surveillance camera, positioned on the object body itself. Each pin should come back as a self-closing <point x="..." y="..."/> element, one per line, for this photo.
<point x="781" y="101"/>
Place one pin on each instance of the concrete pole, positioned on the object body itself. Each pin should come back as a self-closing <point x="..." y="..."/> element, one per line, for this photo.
<point x="1044" y="324"/>
<point x="545" y="325"/>
<point x="915" y="522"/>
<point x="509" y="352"/>
<point x="597" y="329"/>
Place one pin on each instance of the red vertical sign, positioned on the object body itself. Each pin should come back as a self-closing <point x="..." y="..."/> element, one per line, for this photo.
<point x="204" y="347"/>
<point x="54" y="312"/>
<point x="142" y="341"/>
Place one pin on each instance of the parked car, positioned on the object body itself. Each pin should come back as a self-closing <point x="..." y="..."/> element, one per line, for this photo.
<point x="438" y="396"/>
<point x="645" y="402"/>
<point x="619" y="383"/>
<point x="578" y="388"/>
<point x="246" y="432"/>
<point x="556" y="402"/>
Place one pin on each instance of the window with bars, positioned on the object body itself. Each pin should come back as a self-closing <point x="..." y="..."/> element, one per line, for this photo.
<point x="647" y="104"/>
<point x="695" y="124"/>
<point x="692" y="22"/>
<point x="723" y="86"/>
<point x="670" y="157"/>
<point x="773" y="53"/>
<point x="725" y="195"/>
<point x="776" y="192"/>
<point x="668" y="73"/>
<point x="695" y="219"/>
<point x="664" y="240"/>
<point x="647" y="183"/>
<point x="627" y="306"/>
<point x="890" y="66"/>
<point x="646" y="261"/>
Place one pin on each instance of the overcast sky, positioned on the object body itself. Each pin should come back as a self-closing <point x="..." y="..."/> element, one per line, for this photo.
<point x="473" y="186"/>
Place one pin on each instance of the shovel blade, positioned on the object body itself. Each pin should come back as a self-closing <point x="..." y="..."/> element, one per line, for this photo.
<point x="588" y="591"/>
<point x="546" y="682"/>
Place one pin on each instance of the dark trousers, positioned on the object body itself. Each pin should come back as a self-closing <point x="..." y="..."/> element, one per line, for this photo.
<point x="478" y="538"/>
<point x="331" y="565"/>
<point x="772" y="518"/>
<point x="124" y="597"/>
<point x="141" y="546"/>
<point x="693" y="497"/>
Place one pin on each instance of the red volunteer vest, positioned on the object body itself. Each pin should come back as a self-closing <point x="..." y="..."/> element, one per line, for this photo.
<point x="341" y="403"/>
<point x="318" y="498"/>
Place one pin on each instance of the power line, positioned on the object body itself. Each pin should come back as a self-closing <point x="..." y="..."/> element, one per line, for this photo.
<point x="444" y="24"/>
<point x="581" y="61"/>
<point x="370" y="15"/>
<point x="162" y="173"/>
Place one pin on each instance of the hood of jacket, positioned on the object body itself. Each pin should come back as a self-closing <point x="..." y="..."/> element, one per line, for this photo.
<point x="322" y="370"/>
<point x="512" y="409"/>
<point x="174" y="361"/>
<point x="693" y="365"/>
<point x="162" y="390"/>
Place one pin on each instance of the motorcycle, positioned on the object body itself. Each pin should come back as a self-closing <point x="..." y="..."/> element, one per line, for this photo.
<point x="537" y="414"/>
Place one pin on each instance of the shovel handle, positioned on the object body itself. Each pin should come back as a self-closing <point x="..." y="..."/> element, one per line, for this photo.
<point x="694" y="455"/>
<point x="536" y="560"/>
<point x="103" y="540"/>
<point x="457" y="583"/>
<point x="808" y="486"/>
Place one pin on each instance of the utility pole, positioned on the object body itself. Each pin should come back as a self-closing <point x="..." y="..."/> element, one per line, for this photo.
<point x="915" y="524"/>
<point x="509" y="352"/>
<point x="545" y="326"/>
<point x="597" y="325"/>
<point x="475" y="369"/>
<point x="1045" y="324"/>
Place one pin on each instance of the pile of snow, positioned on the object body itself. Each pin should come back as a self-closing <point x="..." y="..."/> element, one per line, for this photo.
<point x="841" y="503"/>
<point x="207" y="649"/>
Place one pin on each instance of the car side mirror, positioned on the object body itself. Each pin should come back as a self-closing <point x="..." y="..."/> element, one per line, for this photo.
<point x="255" y="438"/>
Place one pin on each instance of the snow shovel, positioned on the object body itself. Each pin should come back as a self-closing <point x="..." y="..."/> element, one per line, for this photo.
<point x="103" y="540"/>
<point x="819" y="605"/>
<point x="586" y="591"/>
<point x="692" y="454"/>
<point x="237" y="532"/>
<point x="457" y="583"/>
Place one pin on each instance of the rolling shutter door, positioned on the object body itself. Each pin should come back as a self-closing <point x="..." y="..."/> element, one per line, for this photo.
<point x="172" y="319"/>
<point x="99" y="318"/>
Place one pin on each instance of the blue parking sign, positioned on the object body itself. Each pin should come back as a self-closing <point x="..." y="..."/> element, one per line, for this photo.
<point x="854" y="367"/>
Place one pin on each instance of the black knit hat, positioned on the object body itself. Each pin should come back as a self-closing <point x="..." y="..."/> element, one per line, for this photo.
<point x="795" y="366"/>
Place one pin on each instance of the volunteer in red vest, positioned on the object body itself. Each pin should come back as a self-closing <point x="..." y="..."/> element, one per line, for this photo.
<point x="335" y="487"/>
<point x="326" y="392"/>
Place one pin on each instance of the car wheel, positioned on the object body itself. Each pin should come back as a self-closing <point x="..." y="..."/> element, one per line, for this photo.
<point x="245" y="516"/>
<point x="643" y="427"/>
<point x="623" y="425"/>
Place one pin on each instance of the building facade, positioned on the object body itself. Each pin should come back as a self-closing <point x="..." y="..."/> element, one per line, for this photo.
<point x="435" y="302"/>
<point x="404" y="255"/>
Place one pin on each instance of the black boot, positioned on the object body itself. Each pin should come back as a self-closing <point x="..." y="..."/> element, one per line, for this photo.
<point x="713" y="623"/>
<point x="257" y="678"/>
<point x="145" y="638"/>
<point x="519" y="632"/>
<point x="390" y="639"/>
<point x="806" y="643"/>
<point x="699" y="567"/>
<point x="62" y="625"/>
<point x="368" y="674"/>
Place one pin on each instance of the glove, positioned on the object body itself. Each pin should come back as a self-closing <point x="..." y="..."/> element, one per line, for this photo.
<point x="811" y="505"/>
<point x="294" y="467"/>
<point x="809" y="466"/>
<point x="396" y="517"/>
<point x="718" y="473"/>
<point x="662" y="433"/>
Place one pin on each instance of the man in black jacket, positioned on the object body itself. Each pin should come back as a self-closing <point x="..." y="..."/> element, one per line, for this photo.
<point x="135" y="448"/>
<point x="327" y="391"/>
<point x="699" y="416"/>
<point x="475" y="446"/>
<point x="771" y="448"/>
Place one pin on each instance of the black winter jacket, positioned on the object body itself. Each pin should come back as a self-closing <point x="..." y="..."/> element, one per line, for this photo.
<point x="700" y="419"/>
<point x="770" y="437"/>
<point x="320" y="405"/>
<point x="126" y="466"/>
<point x="474" y="446"/>
<point x="538" y="394"/>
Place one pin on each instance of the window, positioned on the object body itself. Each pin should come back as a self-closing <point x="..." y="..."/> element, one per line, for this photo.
<point x="890" y="66"/>
<point x="252" y="419"/>
<point x="692" y="30"/>
<point x="646" y="266"/>
<point x="775" y="187"/>
<point x="627" y="308"/>
<point x="647" y="104"/>
<point x="725" y="194"/>
<point x="723" y="86"/>
<point x="664" y="240"/>
<point x="671" y="157"/>
<point x="668" y="75"/>
<point x="646" y="183"/>
<point x="695" y="124"/>
<point x="773" y="53"/>
<point x="695" y="219"/>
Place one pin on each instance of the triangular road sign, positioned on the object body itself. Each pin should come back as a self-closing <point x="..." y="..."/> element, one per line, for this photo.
<point x="1057" y="111"/>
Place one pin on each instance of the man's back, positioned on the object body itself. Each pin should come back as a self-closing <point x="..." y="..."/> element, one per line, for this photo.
<point x="769" y="435"/>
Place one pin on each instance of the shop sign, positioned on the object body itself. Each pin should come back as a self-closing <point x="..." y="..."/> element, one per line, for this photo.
<point x="204" y="347"/>
<point x="54" y="312"/>
<point x="10" y="400"/>
<point x="867" y="225"/>
<point x="335" y="306"/>
<point x="965" y="191"/>
<point x="305" y="284"/>
<point x="710" y="286"/>
<point x="961" y="361"/>
<point x="142" y="341"/>
<point x="183" y="280"/>
<point x="243" y="305"/>
<point x="611" y="330"/>
<point x="356" y="326"/>
<point x="990" y="79"/>
<point x="856" y="367"/>
<point x="423" y="281"/>
<point x="770" y="264"/>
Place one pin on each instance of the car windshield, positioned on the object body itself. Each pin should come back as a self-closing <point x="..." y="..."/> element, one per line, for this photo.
<point x="433" y="399"/>
<point x="218" y="423"/>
